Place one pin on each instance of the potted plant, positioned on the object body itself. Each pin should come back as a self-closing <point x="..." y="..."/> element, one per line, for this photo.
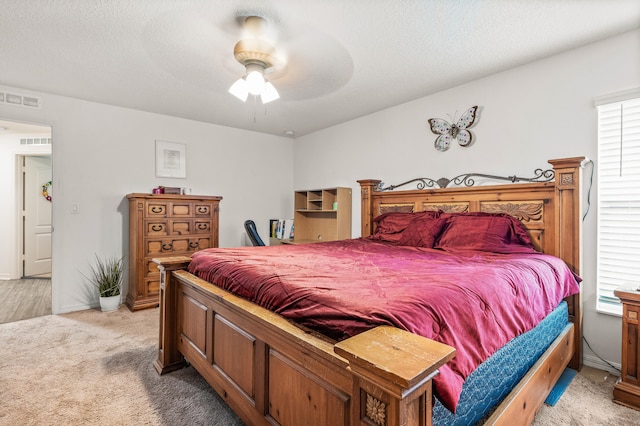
<point x="107" y="275"/>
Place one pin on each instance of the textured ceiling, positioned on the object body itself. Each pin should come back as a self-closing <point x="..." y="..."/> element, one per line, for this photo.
<point x="340" y="59"/>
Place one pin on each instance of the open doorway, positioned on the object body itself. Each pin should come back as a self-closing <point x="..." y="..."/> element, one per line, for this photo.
<point x="25" y="223"/>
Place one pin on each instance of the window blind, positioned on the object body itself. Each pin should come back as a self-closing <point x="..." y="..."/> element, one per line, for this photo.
<point x="618" y="197"/>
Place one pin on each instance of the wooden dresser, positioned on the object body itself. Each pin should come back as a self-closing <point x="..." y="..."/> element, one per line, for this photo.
<point x="627" y="390"/>
<point x="163" y="225"/>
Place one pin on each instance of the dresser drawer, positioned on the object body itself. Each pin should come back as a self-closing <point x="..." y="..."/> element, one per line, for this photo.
<point x="189" y="226"/>
<point x="152" y="286"/>
<point x="178" y="245"/>
<point x="181" y="209"/>
<point x="156" y="228"/>
<point x="202" y="226"/>
<point x="201" y="243"/>
<point x="160" y="228"/>
<point x="181" y="227"/>
<point x="151" y="267"/>
<point x="167" y="246"/>
<point x="203" y="210"/>
<point x="156" y="209"/>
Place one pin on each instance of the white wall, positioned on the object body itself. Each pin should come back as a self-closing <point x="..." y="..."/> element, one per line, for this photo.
<point x="101" y="153"/>
<point x="529" y="114"/>
<point x="10" y="150"/>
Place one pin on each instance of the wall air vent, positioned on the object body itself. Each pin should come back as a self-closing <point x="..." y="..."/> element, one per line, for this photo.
<point x="14" y="99"/>
<point x="35" y="141"/>
<point x="31" y="101"/>
<point x="19" y="100"/>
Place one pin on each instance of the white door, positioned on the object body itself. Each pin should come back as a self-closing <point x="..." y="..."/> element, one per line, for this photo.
<point x="37" y="215"/>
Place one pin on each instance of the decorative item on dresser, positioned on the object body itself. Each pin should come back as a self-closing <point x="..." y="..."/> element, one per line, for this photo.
<point x="163" y="225"/>
<point x="627" y="390"/>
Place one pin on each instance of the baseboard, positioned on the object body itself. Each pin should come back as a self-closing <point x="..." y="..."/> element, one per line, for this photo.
<point x="73" y="308"/>
<point x="595" y="362"/>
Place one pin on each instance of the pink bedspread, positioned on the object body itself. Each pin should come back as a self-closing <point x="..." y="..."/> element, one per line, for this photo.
<point x="473" y="301"/>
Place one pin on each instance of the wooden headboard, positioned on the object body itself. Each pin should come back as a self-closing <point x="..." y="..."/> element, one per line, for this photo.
<point x="549" y="210"/>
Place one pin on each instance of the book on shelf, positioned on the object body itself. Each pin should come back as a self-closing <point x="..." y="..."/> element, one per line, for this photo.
<point x="282" y="229"/>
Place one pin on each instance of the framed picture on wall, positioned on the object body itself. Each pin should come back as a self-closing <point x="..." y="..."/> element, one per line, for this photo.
<point x="171" y="159"/>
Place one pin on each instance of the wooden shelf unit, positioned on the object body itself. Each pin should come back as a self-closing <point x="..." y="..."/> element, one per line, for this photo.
<point x="322" y="215"/>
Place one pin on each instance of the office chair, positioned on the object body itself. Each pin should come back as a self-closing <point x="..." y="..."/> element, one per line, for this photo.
<point x="252" y="232"/>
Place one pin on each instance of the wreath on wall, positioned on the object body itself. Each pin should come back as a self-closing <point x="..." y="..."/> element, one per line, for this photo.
<point x="45" y="191"/>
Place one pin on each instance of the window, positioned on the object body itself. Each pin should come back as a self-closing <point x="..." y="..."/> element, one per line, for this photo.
<point x="618" y="196"/>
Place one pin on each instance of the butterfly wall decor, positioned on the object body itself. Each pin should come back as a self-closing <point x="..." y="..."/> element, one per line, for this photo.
<point x="456" y="130"/>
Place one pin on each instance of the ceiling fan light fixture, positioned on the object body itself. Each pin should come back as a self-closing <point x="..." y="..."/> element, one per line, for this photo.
<point x="255" y="78"/>
<point x="240" y="89"/>
<point x="257" y="56"/>
<point x="269" y="93"/>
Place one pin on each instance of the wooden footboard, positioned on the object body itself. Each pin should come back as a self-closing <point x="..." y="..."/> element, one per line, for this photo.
<point x="270" y="371"/>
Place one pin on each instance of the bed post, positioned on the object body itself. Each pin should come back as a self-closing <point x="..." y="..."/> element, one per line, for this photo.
<point x="367" y="186"/>
<point x="169" y="358"/>
<point x="392" y="372"/>
<point x="568" y="227"/>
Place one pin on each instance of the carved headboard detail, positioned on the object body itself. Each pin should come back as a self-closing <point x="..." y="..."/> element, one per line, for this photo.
<point x="395" y="208"/>
<point x="447" y="208"/>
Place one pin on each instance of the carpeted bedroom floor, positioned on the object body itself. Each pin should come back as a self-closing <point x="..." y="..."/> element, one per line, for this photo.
<point x="95" y="368"/>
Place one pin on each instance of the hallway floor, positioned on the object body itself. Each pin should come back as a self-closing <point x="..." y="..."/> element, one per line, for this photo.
<point x="25" y="298"/>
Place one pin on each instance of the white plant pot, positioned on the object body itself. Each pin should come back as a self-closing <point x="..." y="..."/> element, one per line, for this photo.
<point x="109" y="304"/>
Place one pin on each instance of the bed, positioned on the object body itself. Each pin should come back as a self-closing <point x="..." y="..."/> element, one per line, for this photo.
<point x="272" y="370"/>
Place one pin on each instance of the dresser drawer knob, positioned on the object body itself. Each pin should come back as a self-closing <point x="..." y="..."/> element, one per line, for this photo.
<point x="156" y="209"/>
<point x="203" y="226"/>
<point x="156" y="228"/>
<point x="194" y="244"/>
<point x="167" y="246"/>
<point x="203" y="209"/>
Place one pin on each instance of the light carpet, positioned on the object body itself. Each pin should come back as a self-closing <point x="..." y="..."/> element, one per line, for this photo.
<point x="95" y="368"/>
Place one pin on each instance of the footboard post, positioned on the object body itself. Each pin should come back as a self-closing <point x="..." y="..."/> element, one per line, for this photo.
<point x="568" y="184"/>
<point x="392" y="376"/>
<point x="169" y="358"/>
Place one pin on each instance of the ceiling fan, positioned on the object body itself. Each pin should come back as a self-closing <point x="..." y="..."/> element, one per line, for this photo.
<point x="257" y="55"/>
<point x="192" y="44"/>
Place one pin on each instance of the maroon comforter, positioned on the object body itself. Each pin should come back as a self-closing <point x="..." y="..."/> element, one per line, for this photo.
<point x="473" y="301"/>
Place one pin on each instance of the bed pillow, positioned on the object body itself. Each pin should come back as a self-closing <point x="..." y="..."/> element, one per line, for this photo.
<point x="493" y="232"/>
<point x="422" y="232"/>
<point x="389" y="226"/>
